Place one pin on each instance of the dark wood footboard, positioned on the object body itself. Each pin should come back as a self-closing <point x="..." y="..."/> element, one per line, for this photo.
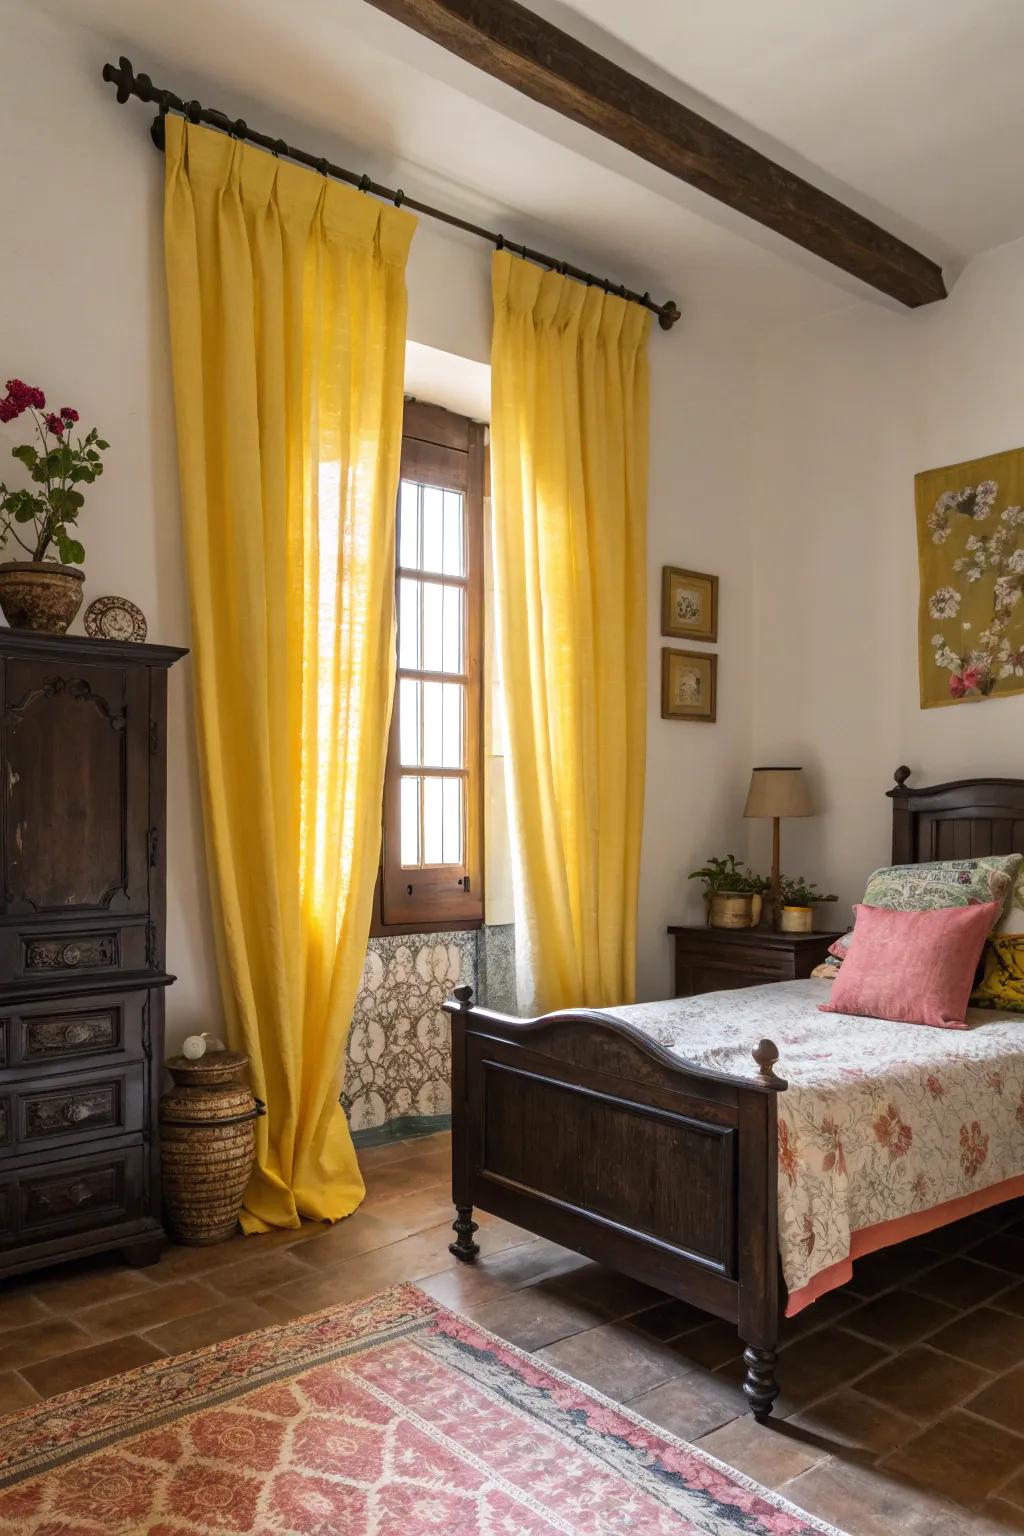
<point x="579" y="1128"/>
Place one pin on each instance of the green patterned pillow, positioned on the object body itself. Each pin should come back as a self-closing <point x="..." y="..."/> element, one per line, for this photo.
<point x="950" y="883"/>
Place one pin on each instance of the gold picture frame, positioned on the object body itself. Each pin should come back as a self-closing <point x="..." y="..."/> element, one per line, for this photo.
<point x="689" y="604"/>
<point x="689" y="685"/>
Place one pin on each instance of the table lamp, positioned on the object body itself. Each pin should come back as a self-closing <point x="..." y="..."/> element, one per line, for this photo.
<point x="777" y="792"/>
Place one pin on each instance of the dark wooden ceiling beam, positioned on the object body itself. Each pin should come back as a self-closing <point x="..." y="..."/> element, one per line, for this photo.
<point x="525" y="51"/>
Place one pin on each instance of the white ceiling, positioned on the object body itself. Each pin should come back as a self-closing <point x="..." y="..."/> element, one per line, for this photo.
<point x="907" y="110"/>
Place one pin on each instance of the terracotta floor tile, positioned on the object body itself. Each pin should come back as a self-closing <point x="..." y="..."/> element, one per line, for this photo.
<point x="361" y="1233"/>
<point x="18" y="1308"/>
<point x="827" y="1309"/>
<point x="68" y="1288"/>
<point x="923" y="1382"/>
<point x="265" y="1272"/>
<point x="464" y="1287"/>
<point x="986" y="1337"/>
<point x="615" y="1359"/>
<point x="823" y="1361"/>
<point x="955" y="1459"/>
<point x="533" y="1318"/>
<point x="612" y="1294"/>
<point x="138" y="1314"/>
<point x="670" y="1318"/>
<point x="1000" y="1518"/>
<point x="1014" y="1490"/>
<point x="960" y="1282"/>
<point x="276" y="1308"/>
<point x="899" y="1317"/>
<point x="20" y="1347"/>
<point x="770" y="1452"/>
<point x="527" y="1263"/>
<point x="15" y="1392"/>
<point x="887" y="1268"/>
<point x="692" y="1405"/>
<point x="195" y="1329"/>
<point x="65" y="1372"/>
<point x="426" y="1253"/>
<point x="862" y="1499"/>
<point x="1002" y="1401"/>
<point x="710" y="1345"/>
<point x="1011" y="1301"/>
<point x="849" y="1421"/>
<point x="1003" y="1251"/>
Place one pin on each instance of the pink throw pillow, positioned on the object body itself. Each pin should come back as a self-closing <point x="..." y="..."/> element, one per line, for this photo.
<point x="913" y="967"/>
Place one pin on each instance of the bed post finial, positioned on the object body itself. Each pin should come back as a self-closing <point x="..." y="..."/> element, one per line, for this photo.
<point x="464" y="997"/>
<point x="766" y="1054"/>
<point x="901" y="776"/>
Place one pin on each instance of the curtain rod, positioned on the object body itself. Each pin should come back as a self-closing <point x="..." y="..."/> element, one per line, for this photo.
<point x="129" y="83"/>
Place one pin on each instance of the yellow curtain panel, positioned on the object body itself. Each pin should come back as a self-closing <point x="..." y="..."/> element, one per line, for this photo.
<point x="569" y="433"/>
<point x="287" y="307"/>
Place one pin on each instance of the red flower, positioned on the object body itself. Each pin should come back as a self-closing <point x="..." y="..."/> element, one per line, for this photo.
<point x="8" y="410"/>
<point x="893" y="1133"/>
<point x="934" y="1087"/>
<point x="69" y="414"/>
<point x="787" y="1152"/>
<point x="54" y="423"/>
<point x="973" y="677"/>
<point x="957" y="686"/>
<point x="973" y="1148"/>
<point x="835" y="1157"/>
<point x="25" y="395"/>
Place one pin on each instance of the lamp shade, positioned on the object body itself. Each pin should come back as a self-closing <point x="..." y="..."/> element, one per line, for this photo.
<point x="778" y="792"/>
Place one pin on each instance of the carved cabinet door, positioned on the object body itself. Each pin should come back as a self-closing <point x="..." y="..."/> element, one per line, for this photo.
<point x="75" y="797"/>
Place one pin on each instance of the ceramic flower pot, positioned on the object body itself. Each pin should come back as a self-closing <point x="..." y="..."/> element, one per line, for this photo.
<point x="796" y="920"/>
<point x="40" y="594"/>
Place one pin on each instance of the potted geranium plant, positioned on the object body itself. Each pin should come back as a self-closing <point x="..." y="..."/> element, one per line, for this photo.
<point x="44" y="592"/>
<point x="797" y="900"/>
<point x="732" y="892"/>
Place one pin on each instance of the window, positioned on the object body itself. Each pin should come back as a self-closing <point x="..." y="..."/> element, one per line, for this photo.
<point x="431" y="860"/>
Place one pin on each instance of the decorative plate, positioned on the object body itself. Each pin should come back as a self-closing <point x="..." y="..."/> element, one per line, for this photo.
<point x="114" y="618"/>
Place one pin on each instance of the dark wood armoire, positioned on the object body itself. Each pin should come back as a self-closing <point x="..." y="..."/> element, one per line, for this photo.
<point x="82" y="963"/>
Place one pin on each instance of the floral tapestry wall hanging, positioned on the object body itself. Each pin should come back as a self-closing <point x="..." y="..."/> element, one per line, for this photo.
<point x="970" y="539"/>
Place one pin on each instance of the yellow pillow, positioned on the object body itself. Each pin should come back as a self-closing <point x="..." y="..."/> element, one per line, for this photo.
<point x="1002" y="985"/>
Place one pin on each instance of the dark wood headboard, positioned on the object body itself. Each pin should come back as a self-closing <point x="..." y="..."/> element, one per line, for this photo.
<point x="963" y="820"/>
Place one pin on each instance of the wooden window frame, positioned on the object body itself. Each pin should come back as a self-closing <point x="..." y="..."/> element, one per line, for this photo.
<point x="444" y="449"/>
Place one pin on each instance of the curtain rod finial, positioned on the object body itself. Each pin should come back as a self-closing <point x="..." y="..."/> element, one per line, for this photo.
<point x="122" y="75"/>
<point x="669" y="314"/>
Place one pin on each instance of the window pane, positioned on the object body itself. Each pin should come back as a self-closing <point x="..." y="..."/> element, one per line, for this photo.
<point x="451" y="725"/>
<point x="409" y="623"/>
<point x="409" y="521"/>
<point x="433" y="740"/>
<point x="433" y="633"/>
<point x="432" y="551"/>
<point x="451" y="642"/>
<point x="408" y="722"/>
<point x="410" y="821"/>
<point x="432" y="821"/>
<point x="451" y="799"/>
<point x="454" y="519"/>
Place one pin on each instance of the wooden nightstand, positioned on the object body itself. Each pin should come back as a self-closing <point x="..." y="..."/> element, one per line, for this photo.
<point x="711" y="959"/>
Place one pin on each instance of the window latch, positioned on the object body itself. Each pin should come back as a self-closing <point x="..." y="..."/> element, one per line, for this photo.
<point x="463" y="880"/>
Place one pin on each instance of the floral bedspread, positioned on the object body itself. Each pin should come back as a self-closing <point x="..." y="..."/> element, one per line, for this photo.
<point x="880" y="1121"/>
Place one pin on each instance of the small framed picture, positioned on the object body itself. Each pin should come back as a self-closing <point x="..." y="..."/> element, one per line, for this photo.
<point x="689" y="685"/>
<point x="689" y="604"/>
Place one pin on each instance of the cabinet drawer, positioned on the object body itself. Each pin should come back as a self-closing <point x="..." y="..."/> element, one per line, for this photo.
<point x="54" y="1111"/>
<point x="47" y="955"/>
<point x="53" y="1036"/>
<point x="72" y="1196"/>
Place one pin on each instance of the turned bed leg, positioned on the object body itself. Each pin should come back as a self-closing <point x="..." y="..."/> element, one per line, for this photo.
<point x="464" y="1248"/>
<point x="759" y="1385"/>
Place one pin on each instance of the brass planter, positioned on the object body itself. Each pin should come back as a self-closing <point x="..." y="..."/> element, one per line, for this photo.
<point x="40" y="594"/>
<point x="207" y="1146"/>
<point x="734" y="909"/>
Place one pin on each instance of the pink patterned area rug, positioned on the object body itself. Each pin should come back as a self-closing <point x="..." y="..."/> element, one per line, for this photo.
<point x="390" y="1417"/>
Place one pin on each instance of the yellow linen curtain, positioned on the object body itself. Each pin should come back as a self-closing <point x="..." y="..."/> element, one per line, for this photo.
<point x="287" y="307"/>
<point x="569" y="428"/>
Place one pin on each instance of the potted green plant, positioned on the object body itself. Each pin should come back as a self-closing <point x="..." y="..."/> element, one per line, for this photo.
<point x="797" y="900"/>
<point x="45" y="593"/>
<point x="732" y="892"/>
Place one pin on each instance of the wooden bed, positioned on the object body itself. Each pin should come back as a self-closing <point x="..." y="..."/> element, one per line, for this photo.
<point x="581" y="1129"/>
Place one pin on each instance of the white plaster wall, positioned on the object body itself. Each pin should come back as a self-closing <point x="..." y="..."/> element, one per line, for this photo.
<point x="849" y="409"/>
<point x="82" y="312"/>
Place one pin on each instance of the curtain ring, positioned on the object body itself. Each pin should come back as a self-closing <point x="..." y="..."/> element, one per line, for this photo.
<point x="399" y="198"/>
<point x="193" y="111"/>
<point x="280" y="148"/>
<point x="364" y="183"/>
<point x="321" y="165"/>
<point x="239" y="128"/>
<point x="499" y="244"/>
